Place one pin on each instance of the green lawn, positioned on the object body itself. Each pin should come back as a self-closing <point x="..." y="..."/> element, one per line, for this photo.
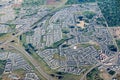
<point x="1" y="15"/>
<point x="43" y="64"/>
<point x="2" y="34"/>
<point x="84" y="45"/>
<point x="56" y="44"/>
<point x="58" y="57"/>
<point x="118" y="43"/>
<point x="42" y="39"/>
<point x="35" y="70"/>
<point x="23" y="38"/>
<point x="65" y="30"/>
<point x="12" y="26"/>
<point x="29" y="33"/>
<point x="2" y="66"/>
<point x="17" y="10"/>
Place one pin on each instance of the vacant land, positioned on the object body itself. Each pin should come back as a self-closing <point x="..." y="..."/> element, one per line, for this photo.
<point x="118" y="76"/>
<point x="116" y="32"/>
<point x="104" y="74"/>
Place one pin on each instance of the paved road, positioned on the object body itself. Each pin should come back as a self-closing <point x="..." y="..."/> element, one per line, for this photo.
<point x="33" y="61"/>
<point x="101" y="63"/>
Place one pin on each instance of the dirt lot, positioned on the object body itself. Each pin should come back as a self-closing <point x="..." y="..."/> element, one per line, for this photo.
<point x="105" y="75"/>
<point x="49" y="2"/>
<point x="116" y="32"/>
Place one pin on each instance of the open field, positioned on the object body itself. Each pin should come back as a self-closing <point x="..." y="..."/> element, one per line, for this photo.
<point x="115" y="32"/>
<point x="104" y="74"/>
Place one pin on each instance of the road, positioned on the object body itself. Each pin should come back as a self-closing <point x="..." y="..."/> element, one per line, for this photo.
<point x="115" y="56"/>
<point x="32" y="60"/>
<point x="99" y="63"/>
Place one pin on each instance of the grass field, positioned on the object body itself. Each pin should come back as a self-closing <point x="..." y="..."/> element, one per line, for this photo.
<point x="4" y="37"/>
<point x="58" y="57"/>
<point x="118" y="43"/>
<point x="2" y="66"/>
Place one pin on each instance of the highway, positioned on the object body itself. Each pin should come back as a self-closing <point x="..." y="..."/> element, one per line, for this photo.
<point x="32" y="60"/>
<point x="22" y="50"/>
